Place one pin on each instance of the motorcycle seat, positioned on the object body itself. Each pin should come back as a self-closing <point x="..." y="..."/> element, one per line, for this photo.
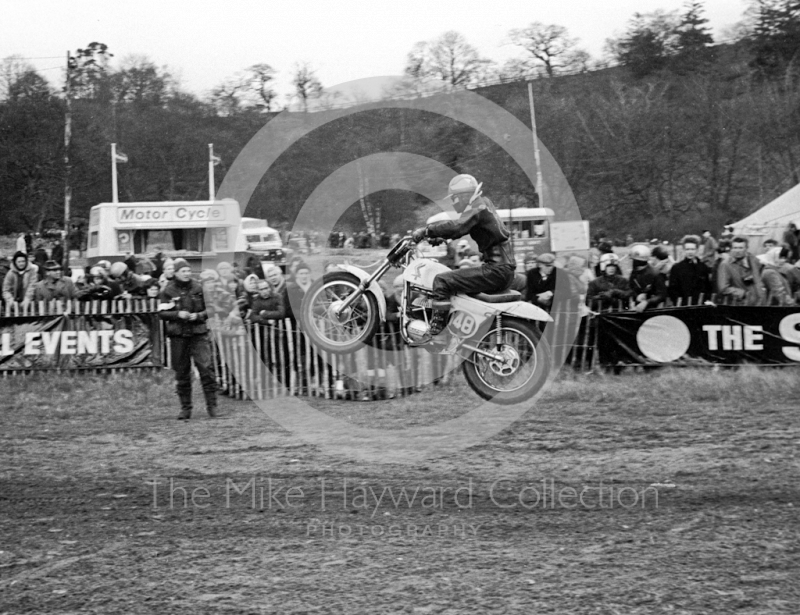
<point x="502" y="297"/>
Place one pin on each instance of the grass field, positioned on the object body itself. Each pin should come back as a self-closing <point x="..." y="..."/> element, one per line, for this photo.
<point x="710" y="457"/>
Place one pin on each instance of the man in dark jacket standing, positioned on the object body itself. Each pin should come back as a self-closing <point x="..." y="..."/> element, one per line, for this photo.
<point x="691" y="278"/>
<point x="183" y="307"/>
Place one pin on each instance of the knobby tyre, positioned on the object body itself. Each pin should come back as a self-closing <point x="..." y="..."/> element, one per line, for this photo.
<point x="525" y="372"/>
<point x="349" y="331"/>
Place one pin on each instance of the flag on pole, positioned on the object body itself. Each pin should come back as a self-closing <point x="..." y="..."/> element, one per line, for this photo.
<point x="215" y="159"/>
<point x="120" y="157"/>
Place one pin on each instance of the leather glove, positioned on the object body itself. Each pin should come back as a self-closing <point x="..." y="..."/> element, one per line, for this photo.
<point x="419" y="234"/>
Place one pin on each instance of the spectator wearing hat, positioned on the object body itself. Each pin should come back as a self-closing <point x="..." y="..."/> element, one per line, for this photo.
<point x="689" y="279"/>
<point x="167" y="273"/>
<point x="612" y="285"/>
<point x="540" y="285"/>
<point x="739" y="277"/>
<point x="182" y="306"/>
<point x="649" y="288"/>
<point x="603" y="247"/>
<point x="53" y="286"/>
<point x="20" y="277"/>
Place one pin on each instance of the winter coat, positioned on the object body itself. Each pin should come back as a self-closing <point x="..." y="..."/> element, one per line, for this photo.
<point x="742" y="275"/>
<point x="264" y="310"/>
<point x="183" y="296"/>
<point x="688" y="280"/>
<point x="608" y="288"/>
<point x="645" y="281"/>
<point x="47" y="290"/>
<point x="29" y="276"/>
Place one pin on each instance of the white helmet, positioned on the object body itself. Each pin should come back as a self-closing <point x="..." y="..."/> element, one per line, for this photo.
<point x="117" y="269"/>
<point x="609" y="259"/>
<point x="465" y="184"/>
<point x="640" y="252"/>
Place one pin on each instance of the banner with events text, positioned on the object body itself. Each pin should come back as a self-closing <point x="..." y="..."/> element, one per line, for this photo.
<point x="74" y="342"/>
<point x="724" y="335"/>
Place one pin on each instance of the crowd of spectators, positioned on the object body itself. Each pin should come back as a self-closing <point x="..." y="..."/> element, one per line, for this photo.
<point x="723" y="270"/>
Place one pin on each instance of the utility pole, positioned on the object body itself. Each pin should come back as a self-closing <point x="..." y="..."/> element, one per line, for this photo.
<point x="67" y="167"/>
<point x="537" y="157"/>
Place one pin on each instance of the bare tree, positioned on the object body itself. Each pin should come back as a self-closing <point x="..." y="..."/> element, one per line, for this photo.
<point x="306" y="85"/>
<point x="550" y="47"/>
<point x="448" y="61"/>
<point x="227" y="96"/>
<point x="247" y="90"/>
<point x="262" y="76"/>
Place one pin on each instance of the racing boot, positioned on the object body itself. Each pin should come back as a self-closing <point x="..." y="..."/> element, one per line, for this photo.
<point x="439" y="319"/>
<point x="211" y="403"/>
<point x="186" y="405"/>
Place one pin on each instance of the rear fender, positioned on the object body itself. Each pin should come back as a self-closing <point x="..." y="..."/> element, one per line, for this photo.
<point x="372" y="288"/>
<point x="517" y="309"/>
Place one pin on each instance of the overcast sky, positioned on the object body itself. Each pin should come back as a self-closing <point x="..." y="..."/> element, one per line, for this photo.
<point x="204" y="42"/>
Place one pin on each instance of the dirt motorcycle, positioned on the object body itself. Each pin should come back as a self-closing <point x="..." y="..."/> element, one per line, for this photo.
<point x="503" y="355"/>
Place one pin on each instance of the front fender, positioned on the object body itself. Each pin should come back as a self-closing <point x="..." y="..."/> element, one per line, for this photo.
<point x="373" y="288"/>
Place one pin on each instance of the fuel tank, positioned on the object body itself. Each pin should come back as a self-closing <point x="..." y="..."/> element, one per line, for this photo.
<point x="422" y="271"/>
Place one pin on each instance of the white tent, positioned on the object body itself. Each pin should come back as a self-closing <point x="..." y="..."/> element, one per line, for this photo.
<point x="771" y="220"/>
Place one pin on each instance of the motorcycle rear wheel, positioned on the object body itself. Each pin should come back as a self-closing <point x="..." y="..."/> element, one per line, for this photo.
<point x="521" y="375"/>
<point x="347" y="332"/>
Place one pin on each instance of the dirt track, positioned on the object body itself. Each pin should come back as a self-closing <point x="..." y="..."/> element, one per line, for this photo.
<point x="82" y="535"/>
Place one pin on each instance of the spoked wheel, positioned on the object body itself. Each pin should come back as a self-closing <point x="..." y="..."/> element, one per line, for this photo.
<point x="519" y="369"/>
<point x="334" y="329"/>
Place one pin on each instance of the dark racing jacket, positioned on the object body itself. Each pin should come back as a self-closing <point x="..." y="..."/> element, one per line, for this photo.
<point x="186" y="296"/>
<point x="481" y="222"/>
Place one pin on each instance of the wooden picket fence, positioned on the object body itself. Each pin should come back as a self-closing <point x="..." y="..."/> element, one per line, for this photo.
<point x="265" y="361"/>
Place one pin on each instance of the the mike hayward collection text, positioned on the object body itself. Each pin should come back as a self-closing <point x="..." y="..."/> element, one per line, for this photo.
<point x="268" y="493"/>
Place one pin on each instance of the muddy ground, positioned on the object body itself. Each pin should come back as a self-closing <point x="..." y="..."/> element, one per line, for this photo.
<point x="679" y="494"/>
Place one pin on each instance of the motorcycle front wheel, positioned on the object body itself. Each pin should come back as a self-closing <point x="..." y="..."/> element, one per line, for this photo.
<point x="338" y="331"/>
<point x="521" y="369"/>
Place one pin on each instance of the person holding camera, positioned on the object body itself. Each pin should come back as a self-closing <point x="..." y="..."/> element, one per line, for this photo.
<point x="739" y="278"/>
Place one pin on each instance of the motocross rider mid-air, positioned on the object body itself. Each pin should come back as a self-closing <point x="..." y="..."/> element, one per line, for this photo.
<point x="479" y="220"/>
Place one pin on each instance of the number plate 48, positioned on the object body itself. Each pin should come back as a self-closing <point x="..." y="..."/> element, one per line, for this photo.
<point x="462" y="324"/>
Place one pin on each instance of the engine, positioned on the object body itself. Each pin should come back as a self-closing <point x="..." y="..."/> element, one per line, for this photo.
<point x="418" y="330"/>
